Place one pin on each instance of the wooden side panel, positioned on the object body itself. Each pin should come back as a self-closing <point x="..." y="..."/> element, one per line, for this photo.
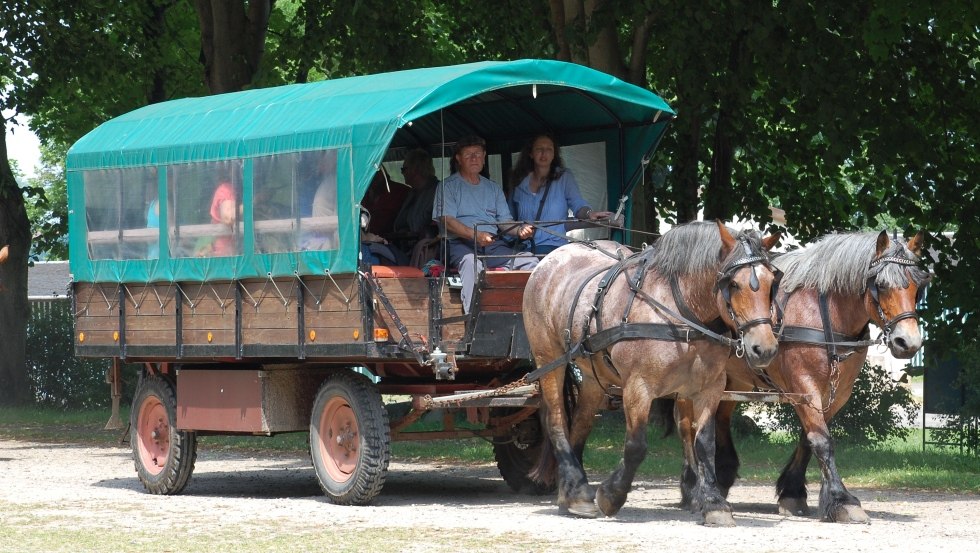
<point x="269" y="312"/>
<point x="503" y="291"/>
<point x="151" y="314"/>
<point x="332" y="310"/>
<point x="410" y="299"/>
<point x="96" y="314"/>
<point x="209" y="314"/>
<point x="452" y="306"/>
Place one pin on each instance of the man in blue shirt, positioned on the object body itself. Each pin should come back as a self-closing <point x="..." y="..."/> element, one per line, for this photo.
<point x="471" y="208"/>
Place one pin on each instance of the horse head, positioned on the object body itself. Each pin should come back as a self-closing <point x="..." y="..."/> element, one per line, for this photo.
<point x="894" y="285"/>
<point x="745" y="290"/>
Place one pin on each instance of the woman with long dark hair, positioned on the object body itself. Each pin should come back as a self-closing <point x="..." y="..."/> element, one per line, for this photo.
<point x="544" y="190"/>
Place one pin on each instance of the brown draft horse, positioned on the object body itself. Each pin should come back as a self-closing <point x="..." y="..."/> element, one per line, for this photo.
<point x="639" y="324"/>
<point x="830" y="291"/>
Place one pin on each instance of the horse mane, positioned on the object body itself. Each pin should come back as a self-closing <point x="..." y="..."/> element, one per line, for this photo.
<point x="692" y="249"/>
<point x="839" y="263"/>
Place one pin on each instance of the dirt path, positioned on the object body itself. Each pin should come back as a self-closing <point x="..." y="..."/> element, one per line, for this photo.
<point x="443" y="507"/>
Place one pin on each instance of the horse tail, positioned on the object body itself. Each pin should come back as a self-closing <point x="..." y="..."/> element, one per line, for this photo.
<point x="545" y="469"/>
<point x="662" y="414"/>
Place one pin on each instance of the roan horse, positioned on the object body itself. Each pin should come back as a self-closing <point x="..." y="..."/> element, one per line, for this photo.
<point x="648" y="324"/>
<point x="829" y="293"/>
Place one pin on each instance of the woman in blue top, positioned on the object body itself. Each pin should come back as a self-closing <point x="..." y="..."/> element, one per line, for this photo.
<point x="547" y="191"/>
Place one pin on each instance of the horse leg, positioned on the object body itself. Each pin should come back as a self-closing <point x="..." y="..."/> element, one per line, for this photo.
<point x="611" y="494"/>
<point x="714" y="507"/>
<point x="791" y="485"/>
<point x="583" y="417"/>
<point x="836" y="503"/>
<point x="574" y="493"/>
<point x="726" y="458"/>
<point x="684" y="415"/>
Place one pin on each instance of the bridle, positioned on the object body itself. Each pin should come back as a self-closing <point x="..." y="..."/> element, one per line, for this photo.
<point x="725" y="276"/>
<point x="874" y="269"/>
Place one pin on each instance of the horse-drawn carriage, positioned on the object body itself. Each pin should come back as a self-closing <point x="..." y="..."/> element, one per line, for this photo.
<point x="273" y="322"/>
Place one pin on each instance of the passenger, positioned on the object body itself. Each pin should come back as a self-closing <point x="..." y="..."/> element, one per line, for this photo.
<point x="153" y="221"/>
<point x="320" y="190"/>
<point x="465" y="203"/>
<point x="383" y="199"/>
<point x="544" y="190"/>
<point x="375" y="249"/>
<point x="387" y="196"/>
<point x="225" y="210"/>
<point x="415" y="216"/>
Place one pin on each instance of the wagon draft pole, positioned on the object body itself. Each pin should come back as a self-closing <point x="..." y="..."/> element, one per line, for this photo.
<point x="215" y="244"/>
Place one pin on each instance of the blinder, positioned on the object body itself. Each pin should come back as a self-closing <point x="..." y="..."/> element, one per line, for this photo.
<point x="724" y="282"/>
<point x="871" y="285"/>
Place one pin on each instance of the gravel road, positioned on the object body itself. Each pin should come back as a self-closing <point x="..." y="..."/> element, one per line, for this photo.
<point x="274" y="503"/>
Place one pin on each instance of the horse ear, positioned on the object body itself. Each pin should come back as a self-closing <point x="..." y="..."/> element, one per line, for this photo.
<point x="882" y="244"/>
<point x="769" y="242"/>
<point x="916" y="243"/>
<point x="726" y="237"/>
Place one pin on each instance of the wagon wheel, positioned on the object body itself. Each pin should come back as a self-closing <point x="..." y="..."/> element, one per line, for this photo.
<point x="518" y="453"/>
<point x="164" y="456"/>
<point x="350" y="440"/>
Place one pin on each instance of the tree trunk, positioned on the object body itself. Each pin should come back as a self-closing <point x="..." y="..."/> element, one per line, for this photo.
<point x="15" y="233"/>
<point x="718" y="194"/>
<point x="685" y="172"/>
<point x="232" y="41"/>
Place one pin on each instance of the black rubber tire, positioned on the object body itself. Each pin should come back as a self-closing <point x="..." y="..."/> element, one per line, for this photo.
<point x="518" y="455"/>
<point x="350" y="440"/>
<point x="164" y="457"/>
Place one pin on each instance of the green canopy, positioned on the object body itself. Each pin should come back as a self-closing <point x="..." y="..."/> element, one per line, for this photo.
<point x="365" y="118"/>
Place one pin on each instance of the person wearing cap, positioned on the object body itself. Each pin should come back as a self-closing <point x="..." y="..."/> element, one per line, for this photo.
<point x="474" y="213"/>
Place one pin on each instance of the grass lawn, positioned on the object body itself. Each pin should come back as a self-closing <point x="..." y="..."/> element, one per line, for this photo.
<point x="896" y="464"/>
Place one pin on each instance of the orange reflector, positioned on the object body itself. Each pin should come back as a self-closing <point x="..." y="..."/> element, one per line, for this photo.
<point x="357" y="333"/>
<point x="81" y="336"/>
<point x="313" y="336"/>
<point x="381" y="335"/>
<point x="210" y="337"/>
<point x="115" y="336"/>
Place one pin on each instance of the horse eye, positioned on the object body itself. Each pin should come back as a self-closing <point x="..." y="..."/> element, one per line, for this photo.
<point x="733" y="286"/>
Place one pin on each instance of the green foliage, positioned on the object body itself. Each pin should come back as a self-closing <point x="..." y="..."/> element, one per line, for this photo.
<point x="47" y="208"/>
<point x="969" y="362"/>
<point x="58" y="379"/>
<point x="878" y="410"/>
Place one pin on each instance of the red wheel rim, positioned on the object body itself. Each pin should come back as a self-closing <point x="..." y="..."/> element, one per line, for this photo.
<point x="339" y="439"/>
<point x="153" y="435"/>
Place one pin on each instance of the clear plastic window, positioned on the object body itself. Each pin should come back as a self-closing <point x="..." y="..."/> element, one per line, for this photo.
<point x="295" y="202"/>
<point x="121" y="214"/>
<point x="205" y="200"/>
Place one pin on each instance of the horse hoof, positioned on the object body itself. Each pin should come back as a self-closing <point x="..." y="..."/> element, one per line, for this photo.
<point x="793" y="507"/>
<point x="608" y="506"/>
<point x="719" y="519"/>
<point x="583" y="509"/>
<point x="852" y="514"/>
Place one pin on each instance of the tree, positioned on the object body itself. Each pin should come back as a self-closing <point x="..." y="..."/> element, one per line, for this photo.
<point x="232" y="41"/>
<point x="14" y="309"/>
<point x="121" y="57"/>
<point x="15" y="237"/>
